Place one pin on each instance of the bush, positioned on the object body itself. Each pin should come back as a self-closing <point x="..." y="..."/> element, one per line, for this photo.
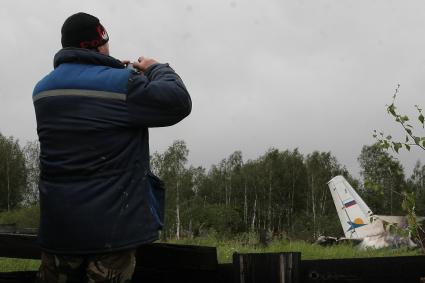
<point x="25" y="217"/>
<point x="225" y="221"/>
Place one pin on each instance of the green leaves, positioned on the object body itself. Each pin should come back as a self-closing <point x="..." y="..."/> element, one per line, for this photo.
<point x="13" y="173"/>
<point x="391" y="110"/>
<point x="417" y="140"/>
<point x="374" y="174"/>
<point x="397" y="146"/>
<point x="387" y="142"/>
<point x="421" y="119"/>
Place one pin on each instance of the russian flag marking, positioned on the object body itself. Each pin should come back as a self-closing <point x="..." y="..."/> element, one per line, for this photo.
<point x="350" y="203"/>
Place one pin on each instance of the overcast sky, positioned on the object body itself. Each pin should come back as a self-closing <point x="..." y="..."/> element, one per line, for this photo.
<point x="309" y="74"/>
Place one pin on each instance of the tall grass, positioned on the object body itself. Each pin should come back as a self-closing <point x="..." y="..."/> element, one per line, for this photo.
<point x="249" y="244"/>
<point x="11" y="264"/>
<point x="226" y="246"/>
<point x="25" y="217"/>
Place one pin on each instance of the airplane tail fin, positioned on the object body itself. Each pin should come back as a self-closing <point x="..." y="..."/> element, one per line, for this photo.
<point x="353" y="212"/>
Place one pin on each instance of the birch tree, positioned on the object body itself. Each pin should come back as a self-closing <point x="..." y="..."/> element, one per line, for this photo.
<point x="170" y="166"/>
<point x="13" y="173"/>
<point x="31" y="153"/>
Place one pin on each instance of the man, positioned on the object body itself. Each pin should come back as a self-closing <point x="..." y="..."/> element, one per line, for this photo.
<point x="98" y="198"/>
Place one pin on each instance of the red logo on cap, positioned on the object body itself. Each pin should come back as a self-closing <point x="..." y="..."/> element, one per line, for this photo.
<point x="102" y="32"/>
<point x="102" y="39"/>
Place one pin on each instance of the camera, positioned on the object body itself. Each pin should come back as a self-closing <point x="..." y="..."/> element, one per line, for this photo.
<point x="130" y="66"/>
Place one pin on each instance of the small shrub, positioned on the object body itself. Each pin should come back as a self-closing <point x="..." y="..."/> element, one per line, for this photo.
<point x="25" y="217"/>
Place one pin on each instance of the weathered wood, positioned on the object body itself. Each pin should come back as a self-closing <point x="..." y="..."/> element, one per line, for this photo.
<point x="154" y="275"/>
<point x="225" y="273"/>
<point x="8" y="228"/>
<point x="157" y="262"/>
<point x="18" y="277"/>
<point x="170" y="256"/>
<point x="404" y="269"/>
<point x="160" y="262"/>
<point x="150" y="255"/>
<point x="266" y="267"/>
<point x="19" y="246"/>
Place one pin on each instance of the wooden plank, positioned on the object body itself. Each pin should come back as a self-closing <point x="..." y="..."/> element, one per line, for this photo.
<point x="140" y="276"/>
<point x="8" y="228"/>
<point x="225" y="273"/>
<point x="266" y="267"/>
<point x="166" y="256"/>
<point x="404" y="269"/>
<point x="18" y="277"/>
<point x="170" y="256"/>
<point x="157" y="262"/>
<point x="150" y="275"/>
<point x="19" y="246"/>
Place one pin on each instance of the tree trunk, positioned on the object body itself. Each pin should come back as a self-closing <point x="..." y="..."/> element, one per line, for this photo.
<point x="254" y="214"/>
<point x="8" y="184"/>
<point x="279" y="222"/>
<point x="323" y="202"/>
<point x="245" y="210"/>
<point x="225" y="189"/>
<point x="292" y="203"/>
<point x="190" y="228"/>
<point x="313" y="206"/>
<point x="177" y="212"/>
<point x="230" y="190"/>
<point x="269" y="214"/>
<point x="391" y="200"/>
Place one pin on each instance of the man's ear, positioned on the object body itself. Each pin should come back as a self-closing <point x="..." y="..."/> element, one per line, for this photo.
<point x="103" y="49"/>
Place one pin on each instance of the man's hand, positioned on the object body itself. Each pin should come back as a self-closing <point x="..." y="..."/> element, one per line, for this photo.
<point x="144" y="63"/>
<point x="125" y="62"/>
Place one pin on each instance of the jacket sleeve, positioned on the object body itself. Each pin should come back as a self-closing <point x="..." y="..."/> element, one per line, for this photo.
<point x="158" y="98"/>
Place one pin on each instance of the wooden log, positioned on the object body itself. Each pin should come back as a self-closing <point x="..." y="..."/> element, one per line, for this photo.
<point x="168" y="256"/>
<point x="225" y="273"/>
<point x="266" y="267"/>
<point x="8" y="228"/>
<point x="18" y="277"/>
<point x="404" y="269"/>
<point x="19" y="246"/>
<point x="149" y="255"/>
<point x="156" y="262"/>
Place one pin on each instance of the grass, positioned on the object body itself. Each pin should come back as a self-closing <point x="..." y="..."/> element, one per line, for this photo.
<point x="247" y="244"/>
<point x="25" y="217"/>
<point x="226" y="249"/>
<point x="11" y="264"/>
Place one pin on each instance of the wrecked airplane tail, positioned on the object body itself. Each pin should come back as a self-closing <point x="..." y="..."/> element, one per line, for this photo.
<point x="359" y="223"/>
<point x="354" y="214"/>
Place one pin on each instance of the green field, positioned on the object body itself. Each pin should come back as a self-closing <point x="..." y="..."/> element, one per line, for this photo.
<point x="226" y="248"/>
<point x="9" y="264"/>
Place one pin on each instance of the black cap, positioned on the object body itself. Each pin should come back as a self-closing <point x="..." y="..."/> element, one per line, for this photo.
<point x="82" y="30"/>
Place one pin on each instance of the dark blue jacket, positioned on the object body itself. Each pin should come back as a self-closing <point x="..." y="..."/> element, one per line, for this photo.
<point x="97" y="193"/>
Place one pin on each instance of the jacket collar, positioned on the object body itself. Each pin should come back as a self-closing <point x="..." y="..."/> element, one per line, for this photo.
<point x="85" y="56"/>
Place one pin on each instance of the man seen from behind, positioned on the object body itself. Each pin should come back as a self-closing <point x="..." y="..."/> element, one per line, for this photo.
<point x="99" y="200"/>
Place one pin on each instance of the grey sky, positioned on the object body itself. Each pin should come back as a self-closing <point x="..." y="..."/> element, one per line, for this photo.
<point x="309" y="74"/>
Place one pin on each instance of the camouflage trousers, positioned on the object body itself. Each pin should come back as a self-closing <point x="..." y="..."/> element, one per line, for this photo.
<point x="115" y="267"/>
